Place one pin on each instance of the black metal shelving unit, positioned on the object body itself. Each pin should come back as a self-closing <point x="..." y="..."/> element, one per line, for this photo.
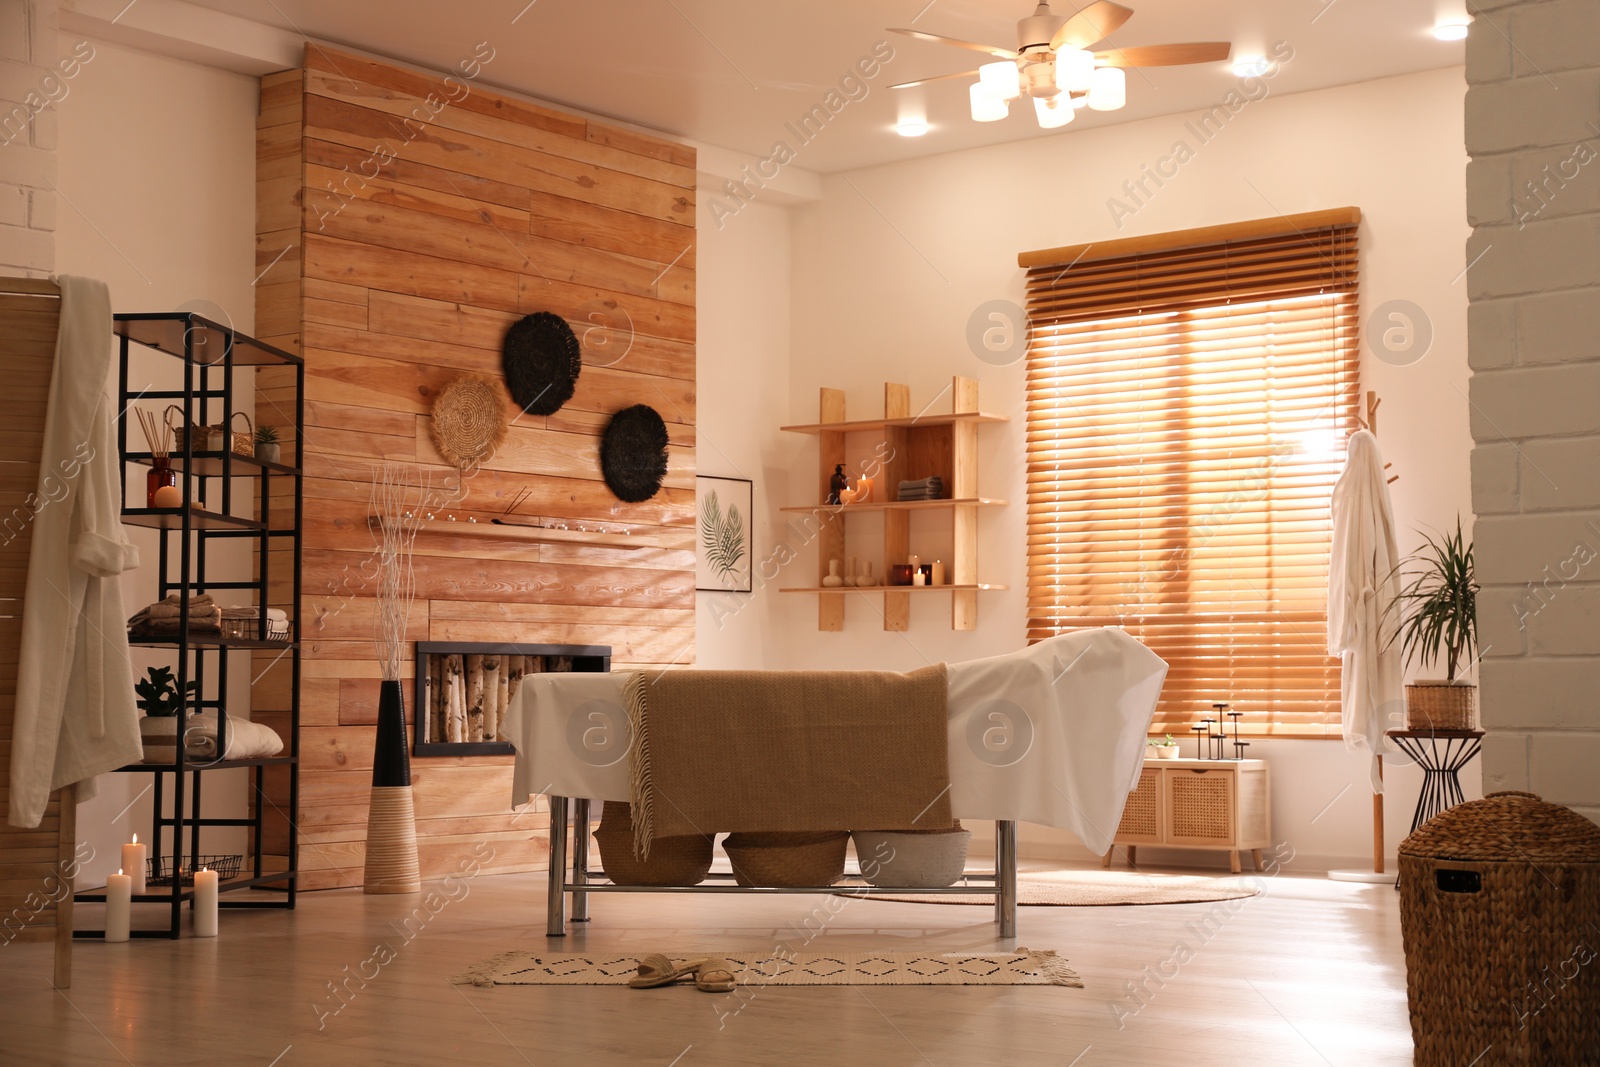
<point x="211" y="354"/>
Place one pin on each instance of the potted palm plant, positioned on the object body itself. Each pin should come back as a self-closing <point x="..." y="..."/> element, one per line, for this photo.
<point x="1439" y="623"/>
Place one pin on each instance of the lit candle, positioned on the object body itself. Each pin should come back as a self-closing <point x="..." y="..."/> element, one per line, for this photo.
<point x="863" y="490"/>
<point x="119" y="906"/>
<point x="938" y="572"/>
<point x="917" y="577"/>
<point x="205" y="902"/>
<point x="133" y="862"/>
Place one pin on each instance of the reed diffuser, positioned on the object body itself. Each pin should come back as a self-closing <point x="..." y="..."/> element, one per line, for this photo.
<point x="161" y="483"/>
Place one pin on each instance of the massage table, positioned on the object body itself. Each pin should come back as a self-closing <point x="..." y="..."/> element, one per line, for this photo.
<point x="1053" y="734"/>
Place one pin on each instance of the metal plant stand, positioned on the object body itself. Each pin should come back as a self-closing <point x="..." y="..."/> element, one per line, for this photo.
<point x="1441" y="754"/>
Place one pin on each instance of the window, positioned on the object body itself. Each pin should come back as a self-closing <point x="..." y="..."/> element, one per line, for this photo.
<point x="1188" y="400"/>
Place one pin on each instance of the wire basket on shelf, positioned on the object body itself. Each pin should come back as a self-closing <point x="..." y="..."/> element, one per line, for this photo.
<point x="161" y="868"/>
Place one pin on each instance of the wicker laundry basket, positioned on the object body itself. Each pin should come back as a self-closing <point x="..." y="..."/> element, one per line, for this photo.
<point x="673" y="860"/>
<point x="1500" y="915"/>
<point x="787" y="859"/>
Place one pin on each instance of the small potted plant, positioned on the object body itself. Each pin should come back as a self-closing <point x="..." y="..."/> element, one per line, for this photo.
<point x="159" y="699"/>
<point x="267" y="450"/>
<point x="1439" y="621"/>
<point x="1167" y="748"/>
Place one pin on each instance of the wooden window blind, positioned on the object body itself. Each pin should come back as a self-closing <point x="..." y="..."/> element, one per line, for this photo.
<point x="1188" y="400"/>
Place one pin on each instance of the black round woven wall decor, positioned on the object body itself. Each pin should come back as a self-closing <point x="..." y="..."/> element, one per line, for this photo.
<point x="633" y="453"/>
<point x="541" y="359"/>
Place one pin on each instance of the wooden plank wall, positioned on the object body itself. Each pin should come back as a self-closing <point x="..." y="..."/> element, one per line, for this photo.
<point x="399" y="240"/>
<point x="33" y="874"/>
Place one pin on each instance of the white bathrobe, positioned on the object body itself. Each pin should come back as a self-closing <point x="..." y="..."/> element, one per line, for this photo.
<point x="75" y="711"/>
<point x="1362" y="584"/>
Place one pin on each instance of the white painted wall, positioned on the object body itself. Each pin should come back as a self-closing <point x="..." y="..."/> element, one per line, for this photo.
<point x="892" y="261"/>
<point x="742" y="281"/>
<point x="157" y="198"/>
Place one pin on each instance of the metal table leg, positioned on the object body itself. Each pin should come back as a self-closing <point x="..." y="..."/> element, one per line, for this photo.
<point x="1005" y="869"/>
<point x="580" y="860"/>
<point x="556" y="920"/>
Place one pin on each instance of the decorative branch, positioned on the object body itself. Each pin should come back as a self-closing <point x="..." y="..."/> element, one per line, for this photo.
<point x="398" y="505"/>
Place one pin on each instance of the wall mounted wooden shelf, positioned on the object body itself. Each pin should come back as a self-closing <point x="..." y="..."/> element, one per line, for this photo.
<point x="518" y="532"/>
<point x="911" y="447"/>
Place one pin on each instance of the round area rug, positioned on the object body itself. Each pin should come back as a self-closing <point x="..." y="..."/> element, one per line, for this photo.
<point x="1084" y="889"/>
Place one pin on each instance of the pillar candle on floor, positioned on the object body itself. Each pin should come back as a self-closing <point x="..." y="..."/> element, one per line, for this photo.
<point x="133" y="863"/>
<point x="119" y="906"/>
<point x="205" y="903"/>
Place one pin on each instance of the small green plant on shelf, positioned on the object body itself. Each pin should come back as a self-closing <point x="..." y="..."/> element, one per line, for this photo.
<point x="158" y="693"/>
<point x="267" y="448"/>
<point x="1168" y="742"/>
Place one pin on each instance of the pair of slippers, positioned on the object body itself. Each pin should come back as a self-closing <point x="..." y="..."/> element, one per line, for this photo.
<point x="711" y="974"/>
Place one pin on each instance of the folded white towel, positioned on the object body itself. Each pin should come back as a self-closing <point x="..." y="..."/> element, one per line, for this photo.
<point x="246" y="739"/>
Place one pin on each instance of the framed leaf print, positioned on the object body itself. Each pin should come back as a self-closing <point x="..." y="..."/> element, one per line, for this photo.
<point x="724" y="549"/>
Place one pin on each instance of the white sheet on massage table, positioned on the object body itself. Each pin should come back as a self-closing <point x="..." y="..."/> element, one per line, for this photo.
<point x="1087" y="699"/>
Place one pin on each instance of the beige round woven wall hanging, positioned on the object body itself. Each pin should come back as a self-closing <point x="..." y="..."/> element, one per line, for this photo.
<point x="469" y="420"/>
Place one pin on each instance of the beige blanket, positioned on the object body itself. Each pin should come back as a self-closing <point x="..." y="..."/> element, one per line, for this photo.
<point x="716" y="751"/>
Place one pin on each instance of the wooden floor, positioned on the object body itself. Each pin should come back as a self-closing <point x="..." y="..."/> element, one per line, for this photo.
<point x="1311" y="972"/>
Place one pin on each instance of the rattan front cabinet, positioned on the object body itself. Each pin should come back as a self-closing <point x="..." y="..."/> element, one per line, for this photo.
<point x="1191" y="803"/>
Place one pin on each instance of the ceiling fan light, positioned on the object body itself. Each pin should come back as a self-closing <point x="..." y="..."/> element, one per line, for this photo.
<point x="986" y="106"/>
<point x="1054" y="112"/>
<point x="1109" y="89"/>
<point x="911" y="128"/>
<point x="1002" y="79"/>
<point x="1250" y="66"/>
<point x="1074" y="69"/>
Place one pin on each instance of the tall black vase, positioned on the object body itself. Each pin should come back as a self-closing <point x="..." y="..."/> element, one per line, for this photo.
<point x="391" y="759"/>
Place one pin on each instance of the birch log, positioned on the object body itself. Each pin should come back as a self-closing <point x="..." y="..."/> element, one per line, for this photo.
<point x="435" y="697"/>
<point x="491" y="697"/>
<point x="505" y="694"/>
<point x="454" y="698"/>
<point x="474" y="731"/>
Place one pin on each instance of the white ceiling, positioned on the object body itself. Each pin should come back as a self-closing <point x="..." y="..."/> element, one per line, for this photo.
<point x="732" y="72"/>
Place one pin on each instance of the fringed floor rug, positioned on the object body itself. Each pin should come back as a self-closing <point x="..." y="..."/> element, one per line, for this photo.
<point x="1022" y="967"/>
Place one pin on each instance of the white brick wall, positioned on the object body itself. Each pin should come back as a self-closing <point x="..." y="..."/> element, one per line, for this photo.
<point x="27" y="136"/>
<point x="1533" y="199"/>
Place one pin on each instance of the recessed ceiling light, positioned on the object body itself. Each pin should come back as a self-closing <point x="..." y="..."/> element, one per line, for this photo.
<point x="1250" y="67"/>
<point x="911" y="128"/>
<point x="1455" y="30"/>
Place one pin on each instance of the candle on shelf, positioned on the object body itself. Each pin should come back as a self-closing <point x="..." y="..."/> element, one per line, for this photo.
<point x="917" y="577"/>
<point x="863" y="490"/>
<point x="119" y="906"/>
<point x="205" y="902"/>
<point x="938" y="572"/>
<point x="167" y="496"/>
<point x="916" y="563"/>
<point x="133" y="863"/>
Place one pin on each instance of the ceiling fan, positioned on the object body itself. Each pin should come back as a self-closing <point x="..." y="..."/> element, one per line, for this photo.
<point x="1054" y="65"/>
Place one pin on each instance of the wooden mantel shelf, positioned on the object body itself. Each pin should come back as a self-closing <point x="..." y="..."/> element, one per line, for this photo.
<point x="517" y="532"/>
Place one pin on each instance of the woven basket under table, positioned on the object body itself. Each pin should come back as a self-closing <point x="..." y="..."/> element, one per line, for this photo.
<point x="1500" y="916"/>
<point x="787" y="859"/>
<point x="673" y="860"/>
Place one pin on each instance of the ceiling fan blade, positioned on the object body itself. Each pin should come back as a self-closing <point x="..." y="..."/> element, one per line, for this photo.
<point x="1002" y="53"/>
<point x="1165" y="55"/>
<point x="1094" y="23"/>
<point x="935" y="78"/>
